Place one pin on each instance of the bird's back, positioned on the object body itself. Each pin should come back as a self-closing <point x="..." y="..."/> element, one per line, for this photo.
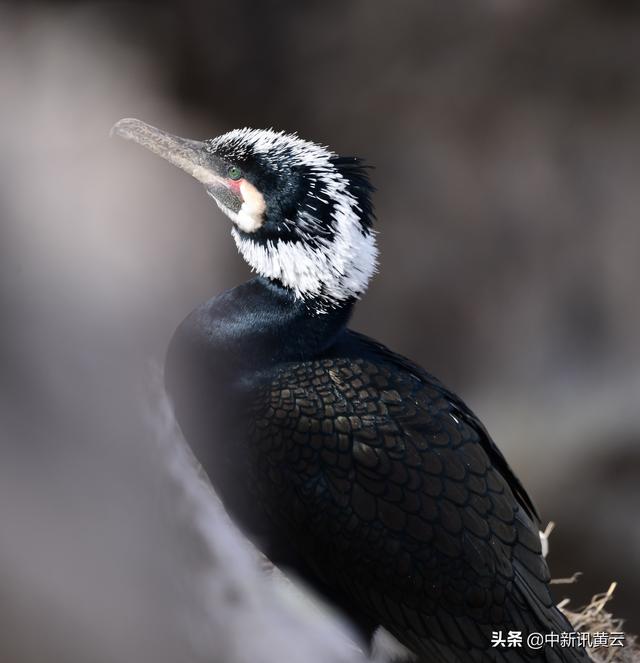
<point x="399" y="504"/>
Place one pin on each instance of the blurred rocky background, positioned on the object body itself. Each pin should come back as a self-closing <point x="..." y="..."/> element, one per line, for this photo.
<point x="506" y="140"/>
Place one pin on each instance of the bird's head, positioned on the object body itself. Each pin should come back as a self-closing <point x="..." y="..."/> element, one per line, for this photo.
<point x="301" y="214"/>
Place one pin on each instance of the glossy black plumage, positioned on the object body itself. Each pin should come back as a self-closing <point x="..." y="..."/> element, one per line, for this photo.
<point x="362" y="473"/>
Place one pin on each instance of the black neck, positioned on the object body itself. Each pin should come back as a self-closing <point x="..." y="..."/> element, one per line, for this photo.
<point x="261" y="323"/>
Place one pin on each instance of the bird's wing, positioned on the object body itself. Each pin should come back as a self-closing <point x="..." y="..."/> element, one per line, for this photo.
<point x="394" y="498"/>
<point x="496" y="457"/>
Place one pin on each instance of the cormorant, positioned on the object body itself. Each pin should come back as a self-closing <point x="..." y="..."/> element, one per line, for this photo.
<point x="341" y="459"/>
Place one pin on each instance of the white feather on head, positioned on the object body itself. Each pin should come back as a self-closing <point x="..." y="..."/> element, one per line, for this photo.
<point x="327" y="271"/>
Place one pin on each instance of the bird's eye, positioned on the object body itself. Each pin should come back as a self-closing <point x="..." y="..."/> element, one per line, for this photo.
<point x="234" y="173"/>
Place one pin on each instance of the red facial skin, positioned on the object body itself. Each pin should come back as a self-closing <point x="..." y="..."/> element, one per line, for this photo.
<point x="234" y="185"/>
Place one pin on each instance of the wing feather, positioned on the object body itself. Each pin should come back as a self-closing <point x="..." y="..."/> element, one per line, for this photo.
<point x="398" y="498"/>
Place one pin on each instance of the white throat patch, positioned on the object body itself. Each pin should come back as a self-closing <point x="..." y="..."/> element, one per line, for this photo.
<point x="250" y="216"/>
<point x="336" y="271"/>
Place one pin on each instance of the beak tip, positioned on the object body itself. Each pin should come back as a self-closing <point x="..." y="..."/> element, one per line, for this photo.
<point x="124" y="127"/>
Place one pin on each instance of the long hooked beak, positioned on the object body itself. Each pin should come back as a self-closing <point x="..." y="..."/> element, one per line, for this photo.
<point x="189" y="155"/>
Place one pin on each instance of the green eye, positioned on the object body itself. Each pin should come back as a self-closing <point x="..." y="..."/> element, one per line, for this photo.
<point x="234" y="173"/>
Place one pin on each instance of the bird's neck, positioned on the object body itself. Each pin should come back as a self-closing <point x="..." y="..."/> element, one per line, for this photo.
<point x="262" y="323"/>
